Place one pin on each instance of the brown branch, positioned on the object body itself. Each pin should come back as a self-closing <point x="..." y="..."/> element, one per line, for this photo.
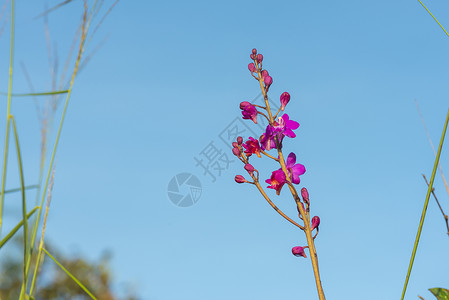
<point x="441" y="209"/>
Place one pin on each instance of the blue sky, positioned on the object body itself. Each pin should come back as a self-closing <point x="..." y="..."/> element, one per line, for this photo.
<point x="169" y="80"/>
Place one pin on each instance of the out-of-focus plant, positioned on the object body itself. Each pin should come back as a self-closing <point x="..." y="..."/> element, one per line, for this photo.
<point x="54" y="283"/>
<point x="34" y="249"/>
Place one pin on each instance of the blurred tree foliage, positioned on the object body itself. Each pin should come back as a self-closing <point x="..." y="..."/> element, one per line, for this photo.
<point x="52" y="282"/>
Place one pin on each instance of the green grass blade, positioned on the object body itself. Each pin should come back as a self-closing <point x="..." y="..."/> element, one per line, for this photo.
<point x="423" y="215"/>
<point x="24" y="207"/>
<point x="8" y="112"/>
<point x="70" y="275"/>
<point x="36" y="94"/>
<point x="434" y="17"/>
<point x="16" y="228"/>
<point x="28" y="187"/>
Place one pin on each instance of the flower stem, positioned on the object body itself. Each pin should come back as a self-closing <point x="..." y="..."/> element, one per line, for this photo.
<point x="307" y="231"/>
<point x="305" y="217"/>
<point x="259" y="187"/>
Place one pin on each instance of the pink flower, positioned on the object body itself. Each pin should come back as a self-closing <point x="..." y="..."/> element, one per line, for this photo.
<point x="249" y="111"/>
<point x="305" y="195"/>
<point x="285" y="126"/>
<point x="294" y="170"/>
<point x="315" y="222"/>
<point x="240" y="179"/>
<point x="267" y="140"/>
<point x="298" y="251"/>
<point x="285" y="98"/>
<point x="252" y="147"/>
<point x="276" y="181"/>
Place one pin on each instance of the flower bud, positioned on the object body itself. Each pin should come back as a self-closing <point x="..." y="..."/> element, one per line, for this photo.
<point x="305" y="195"/>
<point x="254" y="51"/>
<point x="259" y="57"/>
<point x="285" y="98"/>
<point x="298" y="251"/>
<point x="252" y="67"/>
<point x="264" y="74"/>
<point x="240" y="179"/>
<point x="252" y="56"/>
<point x="249" y="168"/>
<point x="235" y="145"/>
<point x="239" y="140"/>
<point x="268" y="81"/>
<point x="315" y="222"/>
<point x="244" y="104"/>
<point x="249" y="111"/>
<point x="236" y="151"/>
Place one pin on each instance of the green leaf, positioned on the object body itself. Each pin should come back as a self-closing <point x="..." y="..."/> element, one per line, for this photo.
<point x="440" y="293"/>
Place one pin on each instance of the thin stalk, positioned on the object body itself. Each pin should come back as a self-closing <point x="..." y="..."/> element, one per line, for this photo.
<point x="259" y="187"/>
<point x="24" y="208"/>
<point x="34" y="186"/>
<point x="423" y="215"/>
<point x="439" y="205"/>
<point x="36" y="94"/>
<point x="307" y="231"/>
<point x="434" y="17"/>
<point x="41" y="244"/>
<point x="8" y="112"/>
<point x="440" y="169"/>
<point x="70" y="274"/>
<point x="16" y="228"/>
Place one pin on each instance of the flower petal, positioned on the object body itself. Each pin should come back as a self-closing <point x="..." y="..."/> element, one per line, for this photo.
<point x="291" y="160"/>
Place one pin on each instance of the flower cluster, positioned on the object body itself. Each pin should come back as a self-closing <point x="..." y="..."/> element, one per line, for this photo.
<point x="272" y="138"/>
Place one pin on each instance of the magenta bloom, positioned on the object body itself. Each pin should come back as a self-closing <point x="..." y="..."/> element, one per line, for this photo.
<point x="267" y="140"/>
<point x="240" y="179"/>
<point x="298" y="251"/>
<point x="285" y="98"/>
<point x="315" y="222"/>
<point x="285" y="126"/>
<point x="305" y="195"/>
<point x="252" y="147"/>
<point x="249" y="111"/>
<point x="276" y="181"/>
<point x="294" y="169"/>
